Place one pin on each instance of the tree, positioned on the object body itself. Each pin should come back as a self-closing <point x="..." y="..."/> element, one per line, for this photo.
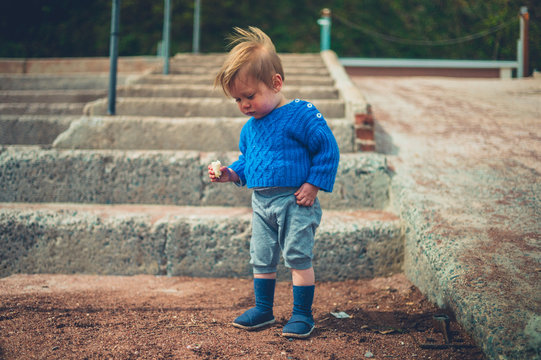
<point x="361" y="28"/>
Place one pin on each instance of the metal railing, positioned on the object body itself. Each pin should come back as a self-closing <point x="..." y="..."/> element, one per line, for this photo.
<point x="506" y="67"/>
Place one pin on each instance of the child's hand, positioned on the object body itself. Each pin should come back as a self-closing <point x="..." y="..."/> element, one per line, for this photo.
<point x="306" y="195"/>
<point x="227" y="175"/>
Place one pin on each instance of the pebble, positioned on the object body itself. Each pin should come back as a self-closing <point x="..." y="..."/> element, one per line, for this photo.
<point x="368" y="354"/>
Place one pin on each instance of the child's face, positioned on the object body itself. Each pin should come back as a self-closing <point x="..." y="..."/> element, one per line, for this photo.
<point x="255" y="98"/>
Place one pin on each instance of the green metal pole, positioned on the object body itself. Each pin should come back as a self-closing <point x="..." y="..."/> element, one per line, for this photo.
<point x="166" y="33"/>
<point x="196" y="22"/>
<point x="524" y="36"/>
<point x="113" y="55"/>
<point x="325" y="23"/>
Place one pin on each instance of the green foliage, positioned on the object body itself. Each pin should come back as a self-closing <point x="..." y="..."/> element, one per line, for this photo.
<point x="361" y="28"/>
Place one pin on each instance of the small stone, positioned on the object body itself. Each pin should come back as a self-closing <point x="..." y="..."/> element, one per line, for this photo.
<point x="368" y="354"/>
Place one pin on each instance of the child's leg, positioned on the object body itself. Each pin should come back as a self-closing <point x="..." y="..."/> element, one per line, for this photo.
<point x="265" y="276"/>
<point x="302" y="224"/>
<point x="301" y="323"/>
<point x="303" y="277"/>
<point x="264" y="254"/>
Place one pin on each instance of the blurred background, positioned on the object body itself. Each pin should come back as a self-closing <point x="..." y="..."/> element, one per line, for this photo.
<point x="483" y="30"/>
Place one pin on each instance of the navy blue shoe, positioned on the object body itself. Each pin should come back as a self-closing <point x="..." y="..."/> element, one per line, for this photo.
<point x="301" y="324"/>
<point x="253" y="319"/>
<point x="260" y="315"/>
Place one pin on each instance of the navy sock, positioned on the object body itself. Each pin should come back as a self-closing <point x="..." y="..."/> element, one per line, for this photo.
<point x="264" y="293"/>
<point x="303" y="297"/>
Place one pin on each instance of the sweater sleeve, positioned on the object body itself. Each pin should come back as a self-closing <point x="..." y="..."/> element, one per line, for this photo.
<point x="324" y="151"/>
<point x="325" y="158"/>
<point x="239" y="165"/>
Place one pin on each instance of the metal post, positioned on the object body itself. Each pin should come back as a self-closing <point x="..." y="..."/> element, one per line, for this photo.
<point x="520" y="62"/>
<point x="524" y="34"/>
<point x="325" y="23"/>
<point x="166" y="32"/>
<point x="196" y="17"/>
<point x="113" y="55"/>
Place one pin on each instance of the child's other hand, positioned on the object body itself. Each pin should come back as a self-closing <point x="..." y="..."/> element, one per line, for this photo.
<point x="306" y="195"/>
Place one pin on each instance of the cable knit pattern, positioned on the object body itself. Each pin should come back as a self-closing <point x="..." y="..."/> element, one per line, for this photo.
<point x="288" y="147"/>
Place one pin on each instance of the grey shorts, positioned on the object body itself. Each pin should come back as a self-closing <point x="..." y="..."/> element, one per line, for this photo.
<point x="279" y="224"/>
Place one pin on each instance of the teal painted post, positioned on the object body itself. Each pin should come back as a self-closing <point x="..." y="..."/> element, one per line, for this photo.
<point x="196" y="17"/>
<point x="166" y="33"/>
<point x="524" y="36"/>
<point x="113" y="55"/>
<point x="325" y="24"/>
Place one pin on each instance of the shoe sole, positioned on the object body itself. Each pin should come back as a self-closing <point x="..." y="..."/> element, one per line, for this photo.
<point x="299" y="336"/>
<point x="254" y="326"/>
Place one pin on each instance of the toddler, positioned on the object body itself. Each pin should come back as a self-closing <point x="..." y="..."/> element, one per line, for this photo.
<point x="288" y="153"/>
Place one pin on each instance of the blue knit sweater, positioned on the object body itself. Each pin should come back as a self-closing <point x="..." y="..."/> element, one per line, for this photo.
<point x="290" y="146"/>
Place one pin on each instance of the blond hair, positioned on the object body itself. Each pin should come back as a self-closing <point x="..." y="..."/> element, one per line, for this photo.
<point x="254" y="50"/>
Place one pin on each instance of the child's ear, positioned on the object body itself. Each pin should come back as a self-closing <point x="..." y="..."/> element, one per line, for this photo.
<point x="277" y="82"/>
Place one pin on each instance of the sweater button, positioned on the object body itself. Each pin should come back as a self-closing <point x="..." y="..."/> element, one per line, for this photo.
<point x="318" y="115"/>
<point x="309" y="105"/>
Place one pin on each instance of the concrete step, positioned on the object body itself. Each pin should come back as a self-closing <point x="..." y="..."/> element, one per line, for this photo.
<point x="33" y="129"/>
<point x="208" y="79"/>
<point x="217" y="59"/>
<point x="177" y="69"/>
<point x="58" y="82"/>
<point x="35" y="174"/>
<point x="182" y="241"/>
<point x="183" y="107"/>
<point x="77" y="65"/>
<point x="51" y="96"/>
<point x="167" y="133"/>
<point x="42" y="108"/>
<point x="208" y="91"/>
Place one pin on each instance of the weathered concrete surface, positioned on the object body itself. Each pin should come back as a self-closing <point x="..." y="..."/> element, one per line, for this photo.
<point x="32" y="129"/>
<point x="300" y="69"/>
<point x="38" y="82"/>
<point x="467" y="188"/>
<point x="183" y="107"/>
<point x="33" y="174"/>
<point x="308" y="93"/>
<point x="51" y="96"/>
<point x="193" y="241"/>
<point x="160" y="133"/>
<point x="129" y="64"/>
<point x="354" y="100"/>
<point x="208" y="79"/>
<point x="52" y="109"/>
<point x="215" y="60"/>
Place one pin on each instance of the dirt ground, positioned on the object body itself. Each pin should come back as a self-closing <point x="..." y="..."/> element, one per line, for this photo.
<point x="147" y="317"/>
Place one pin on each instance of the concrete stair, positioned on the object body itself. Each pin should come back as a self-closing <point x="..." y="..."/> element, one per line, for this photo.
<point x="170" y="133"/>
<point x="208" y="79"/>
<point x="193" y="107"/>
<point x="130" y="194"/>
<point x="187" y="241"/>
<point x="36" y="108"/>
<point x="35" y="174"/>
